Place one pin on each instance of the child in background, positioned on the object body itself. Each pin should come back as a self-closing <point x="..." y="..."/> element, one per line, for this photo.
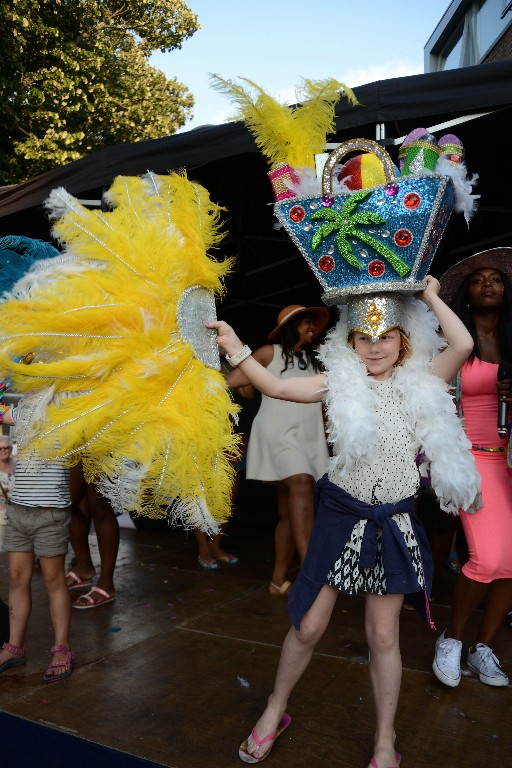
<point x="37" y="525"/>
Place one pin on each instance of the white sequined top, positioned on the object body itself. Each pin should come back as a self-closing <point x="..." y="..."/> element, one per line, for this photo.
<point x="392" y="474"/>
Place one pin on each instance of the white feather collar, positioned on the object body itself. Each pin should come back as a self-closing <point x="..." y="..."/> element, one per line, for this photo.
<point x="350" y="404"/>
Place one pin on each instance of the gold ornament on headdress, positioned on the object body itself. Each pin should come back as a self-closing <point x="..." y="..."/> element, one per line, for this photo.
<point x="374" y="318"/>
<point x="374" y="314"/>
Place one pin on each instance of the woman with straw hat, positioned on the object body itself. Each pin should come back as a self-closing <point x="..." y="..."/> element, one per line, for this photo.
<point x="479" y="289"/>
<point x="287" y="443"/>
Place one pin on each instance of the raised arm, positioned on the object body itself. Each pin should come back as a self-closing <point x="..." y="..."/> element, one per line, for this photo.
<point x="458" y="338"/>
<point x="296" y="389"/>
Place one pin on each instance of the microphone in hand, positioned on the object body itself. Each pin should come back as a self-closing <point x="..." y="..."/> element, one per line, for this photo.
<point x="504" y="372"/>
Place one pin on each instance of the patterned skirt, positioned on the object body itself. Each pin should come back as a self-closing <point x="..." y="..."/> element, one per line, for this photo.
<point x="348" y="576"/>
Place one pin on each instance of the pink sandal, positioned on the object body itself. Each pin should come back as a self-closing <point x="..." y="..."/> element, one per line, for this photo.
<point x="76" y="581"/>
<point x="91" y="601"/>
<point x="246" y="756"/>
<point x="66" y="664"/>
<point x="398" y="757"/>
<point x="19" y="657"/>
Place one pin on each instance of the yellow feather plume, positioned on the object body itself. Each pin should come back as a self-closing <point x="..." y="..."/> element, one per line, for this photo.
<point x="286" y="134"/>
<point x="151" y="423"/>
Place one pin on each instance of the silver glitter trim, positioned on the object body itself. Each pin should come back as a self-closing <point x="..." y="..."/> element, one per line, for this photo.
<point x="196" y="306"/>
<point x="366" y="145"/>
<point x="90" y="306"/>
<point x="68" y="335"/>
<point x="444" y="181"/>
<point x="340" y="295"/>
<point x="375" y="314"/>
<point x="100" y="432"/>
<point x="75" y="418"/>
<point x="175" y="383"/>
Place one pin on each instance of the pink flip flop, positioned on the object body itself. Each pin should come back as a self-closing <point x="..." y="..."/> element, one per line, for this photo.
<point x="398" y="757"/>
<point x="91" y="601"/>
<point x="76" y="581"/>
<point x="243" y="752"/>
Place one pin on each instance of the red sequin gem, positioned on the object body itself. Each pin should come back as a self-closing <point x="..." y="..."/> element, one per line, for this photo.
<point x="327" y="201"/>
<point x="412" y="201"/>
<point x="443" y="212"/>
<point x="376" y="268"/>
<point x="403" y="238"/>
<point x="326" y="263"/>
<point x="427" y="253"/>
<point x="297" y="214"/>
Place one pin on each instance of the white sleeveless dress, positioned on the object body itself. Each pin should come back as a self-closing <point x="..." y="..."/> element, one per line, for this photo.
<point x="286" y="438"/>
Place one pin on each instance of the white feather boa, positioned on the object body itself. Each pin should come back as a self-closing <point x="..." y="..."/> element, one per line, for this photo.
<point x="426" y="401"/>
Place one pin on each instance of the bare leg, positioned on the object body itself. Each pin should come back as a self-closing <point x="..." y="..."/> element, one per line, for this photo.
<point x="284" y="547"/>
<point x="203" y="545"/>
<point x="216" y="544"/>
<point x="209" y="547"/>
<point x="80" y="527"/>
<point x="107" y="532"/>
<point x="382" y="614"/>
<point x="466" y="599"/>
<point x="21" y="565"/>
<point x="300" y="510"/>
<point x="60" y="604"/>
<point x="297" y="650"/>
<point x="79" y="538"/>
<point x="499" y="603"/>
<point x="442" y="529"/>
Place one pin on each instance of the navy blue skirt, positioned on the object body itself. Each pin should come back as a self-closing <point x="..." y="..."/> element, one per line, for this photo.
<point x="384" y="555"/>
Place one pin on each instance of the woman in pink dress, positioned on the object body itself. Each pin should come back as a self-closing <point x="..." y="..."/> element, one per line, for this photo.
<point x="479" y="290"/>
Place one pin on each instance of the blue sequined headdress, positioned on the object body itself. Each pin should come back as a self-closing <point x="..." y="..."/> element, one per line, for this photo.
<point x="373" y="238"/>
<point x="376" y="240"/>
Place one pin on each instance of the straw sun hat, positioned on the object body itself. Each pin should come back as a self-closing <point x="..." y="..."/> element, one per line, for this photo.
<point x="493" y="258"/>
<point x="320" y="316"/>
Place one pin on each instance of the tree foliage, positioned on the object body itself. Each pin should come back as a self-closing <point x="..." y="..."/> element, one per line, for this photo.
<point x="75" y="77"/>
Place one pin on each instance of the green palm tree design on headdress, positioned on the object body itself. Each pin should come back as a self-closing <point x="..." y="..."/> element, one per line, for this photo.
<point x="345" y="223"/>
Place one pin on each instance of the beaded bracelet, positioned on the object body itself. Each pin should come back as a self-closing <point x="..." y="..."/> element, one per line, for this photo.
<point x="240" y="356"/>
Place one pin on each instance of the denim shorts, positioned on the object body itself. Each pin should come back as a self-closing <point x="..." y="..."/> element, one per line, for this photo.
<point x="41" y="530"/>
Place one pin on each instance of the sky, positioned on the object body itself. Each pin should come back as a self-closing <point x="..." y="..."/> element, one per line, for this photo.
<point x="277" y="43"/>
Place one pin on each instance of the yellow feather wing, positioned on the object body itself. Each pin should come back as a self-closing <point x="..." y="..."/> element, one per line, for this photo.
<point x="152" y="424"/>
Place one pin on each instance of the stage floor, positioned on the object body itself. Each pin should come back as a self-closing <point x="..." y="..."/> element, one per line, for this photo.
<point x="178" y="668"/>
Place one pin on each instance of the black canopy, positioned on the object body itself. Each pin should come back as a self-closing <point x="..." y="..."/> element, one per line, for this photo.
<point x="475" y="103"/>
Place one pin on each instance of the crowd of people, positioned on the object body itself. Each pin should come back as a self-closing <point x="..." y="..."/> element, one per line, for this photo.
<point x="338" y="420"/>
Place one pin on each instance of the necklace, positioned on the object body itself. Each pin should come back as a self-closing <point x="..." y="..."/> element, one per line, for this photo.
<point x="301" y="363"/>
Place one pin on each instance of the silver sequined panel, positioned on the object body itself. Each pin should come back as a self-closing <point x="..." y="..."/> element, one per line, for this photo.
<point x="196" y="307"/>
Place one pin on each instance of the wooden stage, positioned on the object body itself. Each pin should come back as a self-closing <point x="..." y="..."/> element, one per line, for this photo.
<point x="178" y="668"/>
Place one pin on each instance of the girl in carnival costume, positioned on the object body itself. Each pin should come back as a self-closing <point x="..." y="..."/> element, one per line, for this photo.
<point x="384" y="387"/>
<point x="386" y="397"/>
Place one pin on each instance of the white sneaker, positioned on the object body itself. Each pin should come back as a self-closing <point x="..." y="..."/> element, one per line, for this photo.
<point x="484" y="663"/>
<point x="446" y="664"/>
